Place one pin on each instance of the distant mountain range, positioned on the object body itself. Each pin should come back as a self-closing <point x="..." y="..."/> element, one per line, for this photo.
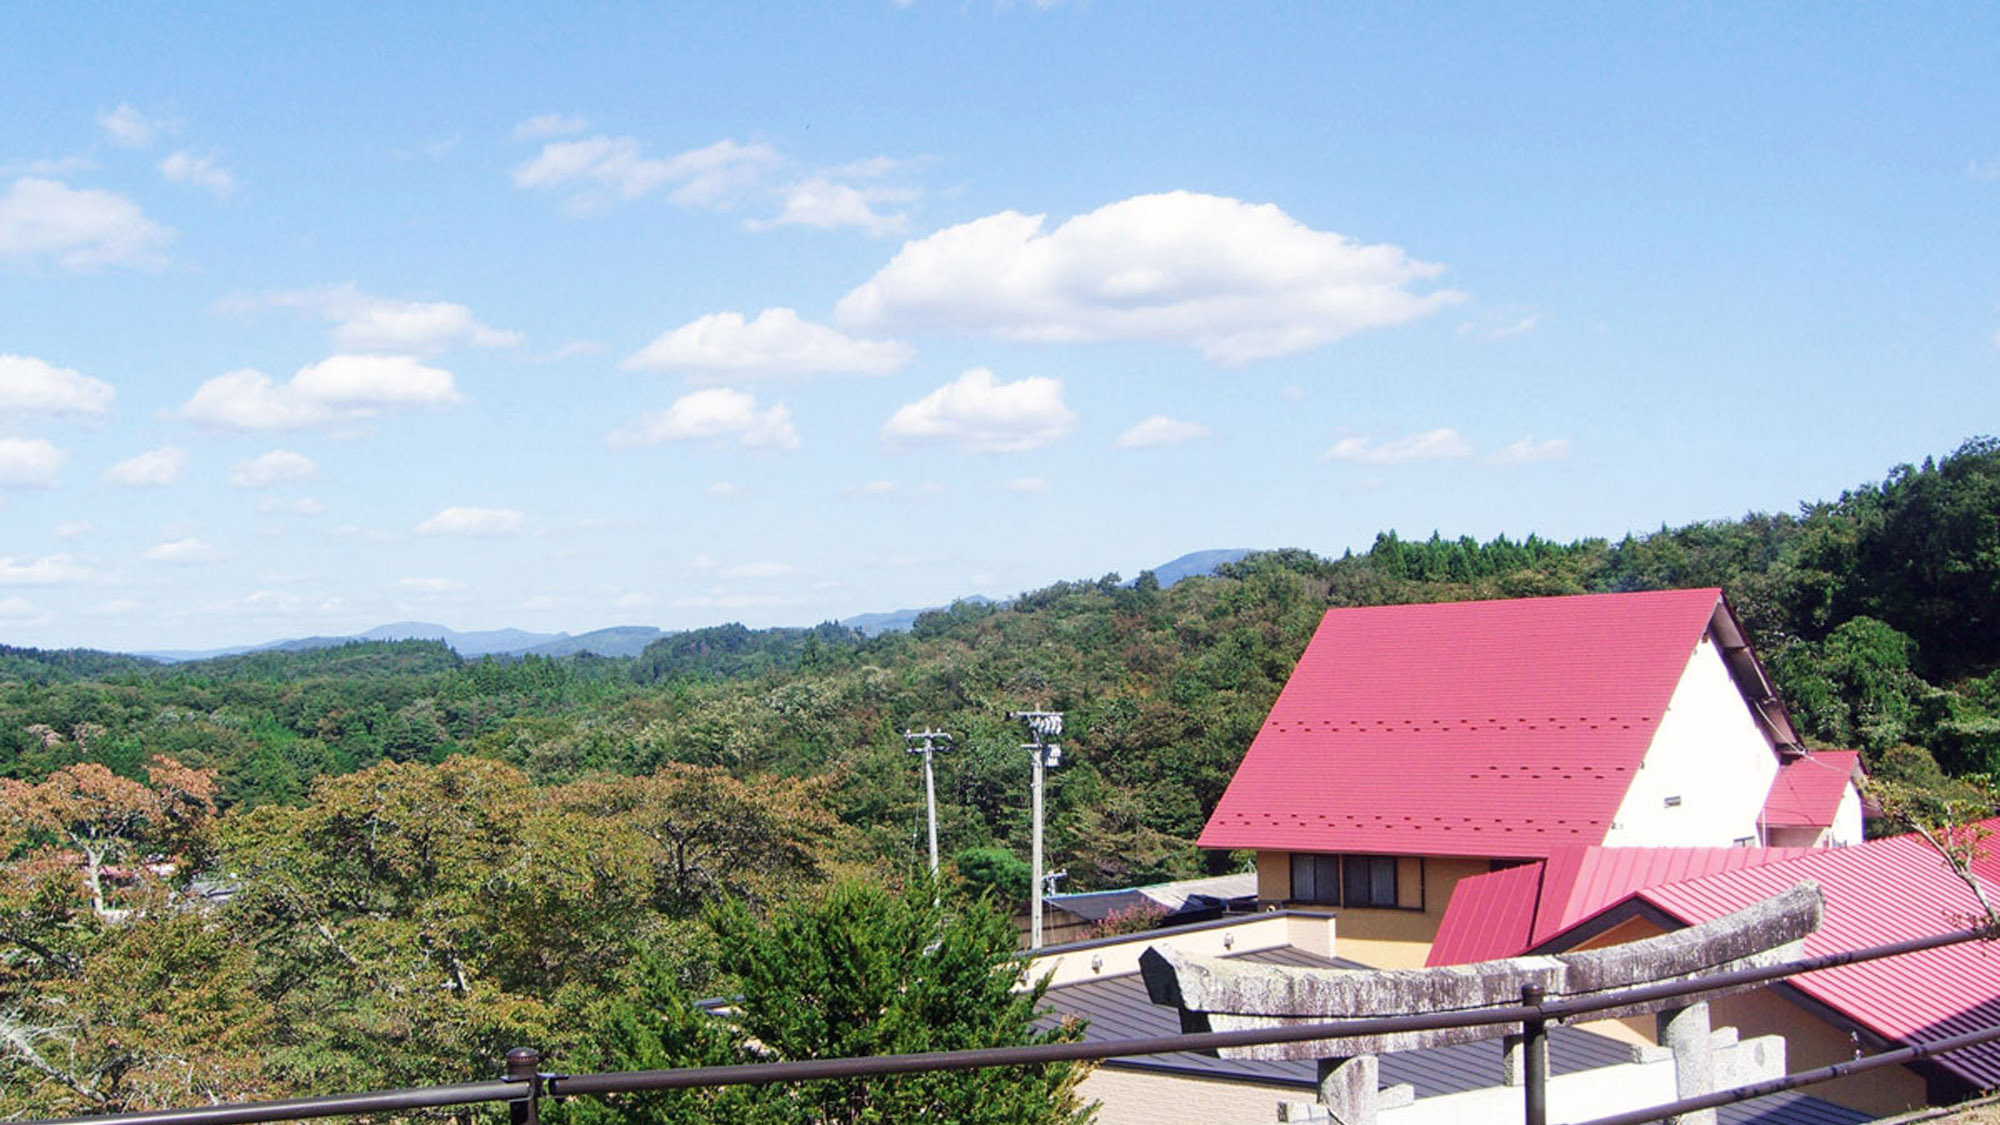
<point x="621" y="640"/>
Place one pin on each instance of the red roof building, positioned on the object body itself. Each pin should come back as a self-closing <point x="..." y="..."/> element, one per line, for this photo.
<point x="1416" y="745"/>
<point x="1877" y="892"/>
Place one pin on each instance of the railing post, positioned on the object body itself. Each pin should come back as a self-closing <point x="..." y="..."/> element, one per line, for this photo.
<point x="1535" y="1056"/>
<point x="524" y="1064"/>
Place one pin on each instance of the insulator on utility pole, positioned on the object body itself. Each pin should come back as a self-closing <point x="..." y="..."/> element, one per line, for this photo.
<point x="1044" y="755"/>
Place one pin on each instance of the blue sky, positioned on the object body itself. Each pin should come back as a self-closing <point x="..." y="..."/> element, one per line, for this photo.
<point x="317" y="317"/>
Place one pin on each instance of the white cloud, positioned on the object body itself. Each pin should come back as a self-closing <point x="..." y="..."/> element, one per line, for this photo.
<point x="825" y="202"/>
<point x="429" y="585"/>
<point x="128" y="128"/>
<point x="724" y="488"/>
<point x="29" y="463"/>
<point x="1160" y="430"/>
<point x="1500" y="326"/>
<point x="116" y="607"/>
<point x="74" y="529"/>
<point x="758" y="570"/>
<point x="363" y="322"/>
<point x="778" y="342"/>
<point x="77" y="229"/>
<point x="184" y="167"/>
<point x="30" y="386"/>
<point x="599" y="170"/>
<point x="184" y="552"/>
<point x="1528" y="451"/>
<point x="544" y="125"/>
<point x="303" y="506"/>
<point x="337" y="389"/>
<point x="275" y="467"/>
<point x="50" y="166"/>
<point x="1026" y="484"/>
<point x="1432" y="445"/>
<point x="49" y="570"/>
<point x="153" y="469"/>
<point x="715" y="414"/>
<point x="981" y="414"/>
<point x="1236" y="280"/>
<point x="473" y="521"/>
<point x="19" y="611"/>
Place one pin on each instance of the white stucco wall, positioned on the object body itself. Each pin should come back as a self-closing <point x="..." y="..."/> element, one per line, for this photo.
<point x="1847" y="828"/>
<point x="1711" y="752"/>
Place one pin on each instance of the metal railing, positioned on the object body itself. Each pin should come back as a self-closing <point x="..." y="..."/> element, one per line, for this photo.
<point x="525" y="1083"/>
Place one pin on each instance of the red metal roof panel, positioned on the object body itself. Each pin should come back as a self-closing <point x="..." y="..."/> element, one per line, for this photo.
<point x="1881" y="891"/>
<point x="1498" y="728"/>
<point x="1573" y="885"/>
<point x="1808" y="790"/>
<point x="1489" y="916"/>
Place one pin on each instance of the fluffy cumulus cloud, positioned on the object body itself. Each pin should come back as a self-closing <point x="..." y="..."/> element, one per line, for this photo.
<point x="20" y="611"/>
<point x="77" y="228"/>
<point x="777" y="342"/>
<point x="862" y="195"/>
<point x="29" y="463"/>
<point x="184" y="552"/>
<point x="362" y="322"/>
<point x="545" y="125"/>
<point x="195" y="170"/>
<point x="342" y="388"/>
<point x="827" y="203"/>
<point x="1432" y="445"/>
<point x="155" y="468"/>
<point x="716" y="414"/>
<point x="980" y="413"/>
<point x="276" y="467"/>
<point x="1528" y="451"/>
<point x="126" y="127"/>
<point x="49" y="570"/>
<point x="595" y="171"/>
<point x="474" y="521"/>
<point x="1160" y="430"/>
<point x="31" y="386"/>
<point x="1236" y="280"/>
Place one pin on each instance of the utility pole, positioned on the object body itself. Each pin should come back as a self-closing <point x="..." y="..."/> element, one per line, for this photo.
<point x="927" y="742"/>
<point x="1045" y="755"/>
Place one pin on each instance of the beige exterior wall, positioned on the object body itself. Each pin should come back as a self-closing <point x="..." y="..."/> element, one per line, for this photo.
<point x="1385" y="939"/>
<point x="1810" y="1042"/>
<point x="1130" y="1097"/>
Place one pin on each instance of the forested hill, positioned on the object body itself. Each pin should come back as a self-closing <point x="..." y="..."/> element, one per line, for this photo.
<point x="1875" y="612"/>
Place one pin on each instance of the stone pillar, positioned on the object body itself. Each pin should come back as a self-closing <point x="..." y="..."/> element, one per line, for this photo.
<point x="1685" y="1032"/>
<point x="1514" y="1060"/>
<point x="1348" y="1088"/>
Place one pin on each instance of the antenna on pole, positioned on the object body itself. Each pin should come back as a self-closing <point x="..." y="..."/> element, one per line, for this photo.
<point x="1045" y="755"/>
<point x="928" y="742"/>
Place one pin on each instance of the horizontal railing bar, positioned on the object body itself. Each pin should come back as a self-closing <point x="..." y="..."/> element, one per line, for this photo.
<point x="1786" y="1082"/>
<point x="805" y="1070"/>
<point x="564" y="1085"/>
<point x="302" y="1109"/>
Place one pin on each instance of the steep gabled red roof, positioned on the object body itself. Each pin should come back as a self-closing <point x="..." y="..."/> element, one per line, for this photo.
<point x="1498" y="728"/>
<point x="1878" y="892"/>
<point x="1512" y="911"/>
<point x="1808" y="790"/>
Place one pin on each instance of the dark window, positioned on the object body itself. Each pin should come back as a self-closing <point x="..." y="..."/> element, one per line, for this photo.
<point x="1334" y="880"/>
<point x="1316" y="878"/>
<point x="1371" y="880"/>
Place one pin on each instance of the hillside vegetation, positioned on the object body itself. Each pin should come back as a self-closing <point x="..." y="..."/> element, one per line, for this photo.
<point x="1875" y="612"/>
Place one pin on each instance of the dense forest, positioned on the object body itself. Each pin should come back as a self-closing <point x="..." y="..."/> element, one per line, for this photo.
<point x="419" y="859"/>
